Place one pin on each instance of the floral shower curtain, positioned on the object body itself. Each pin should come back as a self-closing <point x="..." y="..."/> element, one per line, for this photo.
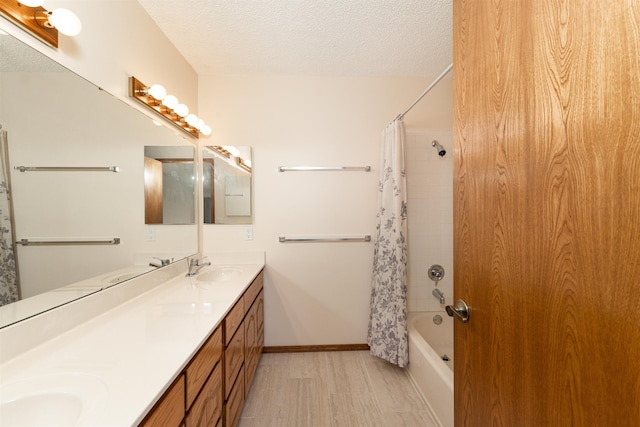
<point x="8" y="279"/>
<point x="387" y="336"/>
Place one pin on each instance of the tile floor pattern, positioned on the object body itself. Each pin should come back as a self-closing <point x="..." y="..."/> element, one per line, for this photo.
<point x="332" y="389"/>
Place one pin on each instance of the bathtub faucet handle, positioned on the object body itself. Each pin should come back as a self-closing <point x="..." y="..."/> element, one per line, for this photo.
<point x="436" y="273"/>
<point x="460" y="311"/>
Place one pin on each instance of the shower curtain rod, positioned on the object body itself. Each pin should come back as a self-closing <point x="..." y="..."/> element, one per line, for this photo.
<point x="435" y="82"/>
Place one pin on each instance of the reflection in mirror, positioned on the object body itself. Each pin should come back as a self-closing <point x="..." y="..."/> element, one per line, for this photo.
<point x="169" y="185"/>
<point x="55" y="118"/>
<point x="227" y="185"/>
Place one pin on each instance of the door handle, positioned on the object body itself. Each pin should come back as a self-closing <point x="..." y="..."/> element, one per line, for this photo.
<point x="460" y="311"/>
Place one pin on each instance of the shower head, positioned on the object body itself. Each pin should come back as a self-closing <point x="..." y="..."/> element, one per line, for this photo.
<point x="440" y="148"/>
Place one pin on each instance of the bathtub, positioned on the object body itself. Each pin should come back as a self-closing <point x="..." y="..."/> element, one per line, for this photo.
<point x="428" y="343"/>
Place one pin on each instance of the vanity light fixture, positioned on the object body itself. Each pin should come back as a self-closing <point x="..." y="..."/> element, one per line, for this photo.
<point x="39" y="22"/>
<point x="168" y="106"/>
<point x="232" y="154"/>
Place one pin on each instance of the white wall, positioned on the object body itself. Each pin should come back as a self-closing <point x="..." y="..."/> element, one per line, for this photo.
<point x="315" y="293"/>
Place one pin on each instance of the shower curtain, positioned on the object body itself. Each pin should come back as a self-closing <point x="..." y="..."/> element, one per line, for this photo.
<point x="387" y="335"/>
<point x="8" y="278"/>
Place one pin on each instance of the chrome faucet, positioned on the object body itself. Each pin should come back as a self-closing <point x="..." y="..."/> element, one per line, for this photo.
<point x="163" y="262"/>
<point x="438" y="294"/>
<point x="195" y="265"/>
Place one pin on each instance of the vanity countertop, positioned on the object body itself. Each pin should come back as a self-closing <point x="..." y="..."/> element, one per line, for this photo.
<point x="117" y="364"/>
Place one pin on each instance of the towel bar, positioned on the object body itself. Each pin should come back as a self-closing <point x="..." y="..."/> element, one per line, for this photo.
<point x="27" y="242"/>
<point x="67" y="169"/>
<point x="365" y="238"/>
<point x="323" y="168"/>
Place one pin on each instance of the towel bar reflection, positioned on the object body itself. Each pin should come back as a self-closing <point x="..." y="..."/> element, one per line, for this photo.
<point x="27" y="242"/>
<point x="323" y="168"/>
<point x="365" y="238"/>
<point x="67" y="169"/>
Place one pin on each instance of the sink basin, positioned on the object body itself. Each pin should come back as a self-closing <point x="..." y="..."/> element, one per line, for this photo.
<point x="50" y="409"/>
<point x="51" y="400"/>
<point x="219" y="274"/>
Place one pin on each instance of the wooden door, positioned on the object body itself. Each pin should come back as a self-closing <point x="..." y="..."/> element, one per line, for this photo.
<point x="152" y="191"/>
<point x="547" y="212"/>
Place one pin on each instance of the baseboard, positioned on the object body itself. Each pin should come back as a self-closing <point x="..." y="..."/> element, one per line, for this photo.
<point x="310" y="348"/>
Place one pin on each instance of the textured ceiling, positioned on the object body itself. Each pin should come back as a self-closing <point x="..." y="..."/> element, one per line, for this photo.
<point x="309" y="37"/>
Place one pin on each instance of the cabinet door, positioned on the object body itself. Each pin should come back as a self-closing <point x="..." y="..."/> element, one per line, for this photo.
<point x="233" y="359"/>
<point x="207" y="408"/>
<point x="233" y="408"/>
<point x="250" y="346"/>
<point x="260" y="321"/>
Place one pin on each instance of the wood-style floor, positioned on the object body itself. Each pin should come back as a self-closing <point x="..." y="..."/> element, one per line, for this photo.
<point x="332" y="389"/>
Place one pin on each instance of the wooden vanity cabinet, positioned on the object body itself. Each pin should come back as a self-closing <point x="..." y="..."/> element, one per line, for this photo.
<point x="195" y="398"/>
<point x="242" y="360"/>
<point x="210" y="391"/>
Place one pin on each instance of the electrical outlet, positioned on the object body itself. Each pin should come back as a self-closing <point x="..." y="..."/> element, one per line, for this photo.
<point x="248" y="233"/>
<point x="151" y="234"/>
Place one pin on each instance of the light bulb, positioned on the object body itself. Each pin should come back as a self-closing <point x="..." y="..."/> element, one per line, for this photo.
<point x="170" y="102"/>
<point x="181" y="110"/>
<point x="191" y="120"/>
<point x="66" y="22"/>
<point x="233" y="150"/>
<point x="200" y="124"/>
<point x="206" y="131"/>
<point x="157" y="91"/>
<point x="31" y="3"/>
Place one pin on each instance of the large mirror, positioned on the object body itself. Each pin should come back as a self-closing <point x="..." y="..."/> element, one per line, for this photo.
<point x="80" y="228"/>
<point x="227" y="185"/>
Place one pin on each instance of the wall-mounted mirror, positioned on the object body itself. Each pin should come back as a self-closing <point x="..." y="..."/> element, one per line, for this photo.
<point x="54" y="118"/>
<point x="169" y="185"/>
<point x="227" y="185"/>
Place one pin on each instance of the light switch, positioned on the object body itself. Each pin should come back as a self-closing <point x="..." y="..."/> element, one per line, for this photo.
<point x="151" y="234"/>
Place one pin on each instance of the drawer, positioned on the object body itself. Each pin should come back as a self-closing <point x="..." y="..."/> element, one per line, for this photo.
<point x="202" y="364"/>
<point x="233" y="408"/>
<point x="169" y="411"/>
<point x="233" y="320"/>
<point x="233" y="359"/>
<point x="253" y="290"/>
<point x="207" y="409"/>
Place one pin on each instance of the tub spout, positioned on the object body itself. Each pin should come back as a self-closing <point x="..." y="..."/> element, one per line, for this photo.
<point x="438" y="294"/>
